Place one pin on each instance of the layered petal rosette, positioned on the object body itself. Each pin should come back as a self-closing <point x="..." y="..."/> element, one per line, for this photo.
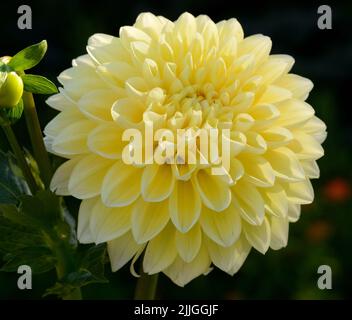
<point x="188" y="74"/>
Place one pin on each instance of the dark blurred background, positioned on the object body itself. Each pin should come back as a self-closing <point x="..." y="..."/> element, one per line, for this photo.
<point x="323" y="235"/>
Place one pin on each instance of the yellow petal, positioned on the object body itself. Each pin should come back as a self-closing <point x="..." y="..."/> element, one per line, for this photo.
<point x="306" y="146"/>
<point x="258" y="45"/>
<point x="274" y="94"/>
<point x="79" y="80"/>
<point x="148" y="219"/>
<point x="184" y="205"/>
<point x="157" y="182"/>
<point x="299" y="86"/>
<point x="229" y="259"/>
<point x="299" y="192"/>
<point x="188" y="244"/>
<point x="275" y="201"/>
<point x="128" y="113"/>
<point x="315" y="127"/>
<point x="121" y="250"/>
<point x="258" y="236"/>
<point x="310" y="168"/>
<point x="63" y="120"/>
<point x="59" y="181"/>
<point x="279" y="232"/>
<point x="104" y="48"/>
<point x="97" y="104"/>
<point x="294" y="211"/>
<point x="294" y="113"/>
<point x="109" y="223"/>
<point x="249" y="202"/>
<point x="87" y="176"/>
<point x="60" y="102"/>
<point x="276" y="137"/>
<point x="213" y="190"/>
<point x="258" y="170"/>
<point x="276" y="66"/>
<point x="241" y="251"/>
<point x="161" y="251"/>
<point x="285" y="164"/>
<point x="181" y="272"/>
<point x="106" y="140"/>
<point x="236" y="170"/>
<point x="255" y="143"/>
<point x="84" y="233"/>
<point x="122" y="185"/>
<point x="224" y="227"/>
<point x="73" y="139"/>
<point x="149" y="23"/>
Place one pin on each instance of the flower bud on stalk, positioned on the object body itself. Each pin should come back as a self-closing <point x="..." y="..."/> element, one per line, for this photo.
<point x="11" y="91"/>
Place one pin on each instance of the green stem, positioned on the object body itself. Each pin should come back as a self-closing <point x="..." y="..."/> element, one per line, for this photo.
<point x="35" y="134"/>
<point x="21" y="160"/>
<point x="65" y="263"/>
<point x="146" y="287"/>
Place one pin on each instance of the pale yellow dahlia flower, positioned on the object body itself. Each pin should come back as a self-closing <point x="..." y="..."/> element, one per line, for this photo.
<point x="191" y="73"/>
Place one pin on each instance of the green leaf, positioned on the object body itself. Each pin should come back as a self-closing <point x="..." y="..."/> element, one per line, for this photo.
<point x="44" y="209"/>
<point x="16" y="237"/>
<point x="12" y="186"/>
<point x="40" y="259"/>
<point x="91" y="270"/>
<point x="94" y="261"/>
<point x="28" y="57"/>
<point x="38" y="84"/>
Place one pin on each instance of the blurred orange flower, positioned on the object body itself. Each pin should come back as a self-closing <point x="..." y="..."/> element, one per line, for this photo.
<point x="337" y="190"/>
<point x="319" y="231"/>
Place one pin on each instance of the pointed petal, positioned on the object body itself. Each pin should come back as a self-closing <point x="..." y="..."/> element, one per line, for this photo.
<point x="84" y="234"/>
<point x="161" y="251"/>
<point x="107" y="224"/>
<point x="306" y="146"/>
<point x="97" y="104"/>
<point x="275" y="201"/>
<point x="181" y="272"/>
<point x="310" y="168"/>
<point x="87" y="176"/>
<point x="224" y="227"/>
<point x="106" y="141"/>
<point x="299" y="86"/>
<point x="285" y="164"/>
<point x="214" y="191"/>
<point x="73" y="139"/>
<point x="258" y="170"/>
<point x="294" y="211"/>
<point x="157" y="182"/>
<point x="121" y="250"/>
<point x="299" y="192"/>
<point x="258" y="236"/>
<point x="274" y="67"/>
<point x="148" y="219"/>
<point x="242" y="249"/>
<point x="122" y="185"/>
<point x="279" y="232"/>
<point x="184" y="205"/>
<point x="294" y="113"/>
<point x="59" y="182"/>
<point x="249" y="202"/>
<point x="231" y="258"/>
<point x="188" y="244"/>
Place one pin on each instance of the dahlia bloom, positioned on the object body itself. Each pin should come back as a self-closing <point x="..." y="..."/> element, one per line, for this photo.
<point x="191" y="73"/>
